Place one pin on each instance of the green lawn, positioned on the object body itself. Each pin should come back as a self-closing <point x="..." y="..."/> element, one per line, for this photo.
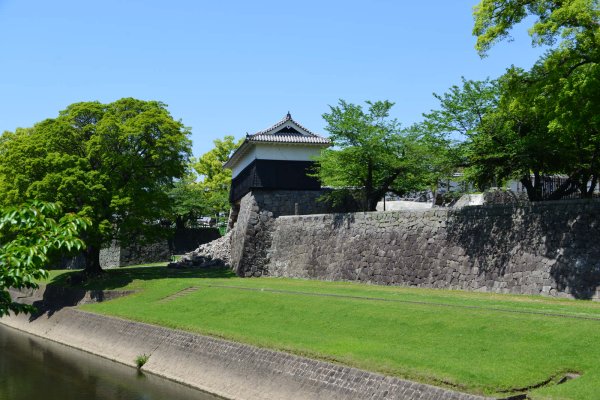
<point x="474" y="342"/>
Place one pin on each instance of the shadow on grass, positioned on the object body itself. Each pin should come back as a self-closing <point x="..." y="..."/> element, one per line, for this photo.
<point x="72" y="288"/>
<point x="117" y="278"/>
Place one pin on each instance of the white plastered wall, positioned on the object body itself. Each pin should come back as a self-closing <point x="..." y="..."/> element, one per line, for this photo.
<point x="276" y="152"/>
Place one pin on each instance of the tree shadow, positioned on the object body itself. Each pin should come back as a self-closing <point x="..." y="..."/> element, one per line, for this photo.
<point x="341" y="200"/>
<point x="55" y="298"/>
<point x="488" y="245"/>
<point x="117" y="278"/>
<point x="577" y="266"/>
<point x="559" y="238"/>
<point x="70" y="289"/>
<point x="343" y="220"/>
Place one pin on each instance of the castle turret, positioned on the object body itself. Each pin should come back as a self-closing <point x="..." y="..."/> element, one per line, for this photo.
<point x="277" y="158"/>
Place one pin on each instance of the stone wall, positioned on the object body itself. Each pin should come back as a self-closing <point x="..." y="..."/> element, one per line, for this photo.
<point x="110" y="256"/>
<point x="179" y="242"/>
<point x="115" y="255"/>
<point x="291" y="202"/>
<point x="251" y="237"/>
<point x="255" y="215"/>
<point x="540" y="248"/>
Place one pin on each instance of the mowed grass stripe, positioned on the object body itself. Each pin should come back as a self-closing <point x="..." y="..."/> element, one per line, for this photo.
<point x="364" y="298"/>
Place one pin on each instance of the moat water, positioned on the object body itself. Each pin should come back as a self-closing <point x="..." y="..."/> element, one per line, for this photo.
<point x="36" y="368"/>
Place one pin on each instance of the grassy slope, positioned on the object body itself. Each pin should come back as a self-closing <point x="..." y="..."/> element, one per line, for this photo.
<point x="482" y="343"/>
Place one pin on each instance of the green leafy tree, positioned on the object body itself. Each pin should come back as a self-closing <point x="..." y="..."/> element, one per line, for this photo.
<point x="458" y="121"/>
<point x="527" y="125"/>
<point x="513" y="141"/>
<point x="463" y="108"/>
<point x="575" y="22"/>
<point x="29" y="235"/>
<point x="548" y="115"/>
<point x="439" y="156"/>
<point x="188" y="201"/>
<point x="215" y="181"/>
<point x="569" y="80"/>
<point x="505" y="124"/>
<point x="573" y="104"/>
<point x="371" y="152"/>
<point x="108" y="162"/>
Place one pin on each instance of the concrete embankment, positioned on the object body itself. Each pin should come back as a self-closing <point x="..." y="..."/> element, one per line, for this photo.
<point x="228" y="369"/>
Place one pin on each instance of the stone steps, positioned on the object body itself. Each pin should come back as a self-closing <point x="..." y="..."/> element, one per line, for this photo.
<point x="179" y="294"/>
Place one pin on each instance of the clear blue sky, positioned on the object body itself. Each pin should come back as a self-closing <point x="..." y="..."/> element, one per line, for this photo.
<point x="238" y="66"/>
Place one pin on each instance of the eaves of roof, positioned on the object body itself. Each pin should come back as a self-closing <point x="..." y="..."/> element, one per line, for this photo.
<point x="270" y="135"/>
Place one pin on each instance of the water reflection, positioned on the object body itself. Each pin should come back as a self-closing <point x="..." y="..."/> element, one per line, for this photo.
<point x="32" y="367"/>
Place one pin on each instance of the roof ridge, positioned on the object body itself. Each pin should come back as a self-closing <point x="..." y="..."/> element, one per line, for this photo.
<point x="305" y="138"/>
<point x="288" y="117"/>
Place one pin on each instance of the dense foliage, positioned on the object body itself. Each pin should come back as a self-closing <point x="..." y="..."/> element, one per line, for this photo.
<point x="187" y="202"/>
<point x="204" y="190"/>
<point x="373" y="154"/>
<point x="29" y="235"/>
<point x="531" y="125"/>
<point x="575" y="22"/>
<point x="215" y="181"/>
<point x="110" y="163"/>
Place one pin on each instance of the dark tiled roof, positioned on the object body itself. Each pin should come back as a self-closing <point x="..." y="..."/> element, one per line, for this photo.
<point x="289" y="139"/>
<point x="286" y="131"/>
<point x="287" y="134"/>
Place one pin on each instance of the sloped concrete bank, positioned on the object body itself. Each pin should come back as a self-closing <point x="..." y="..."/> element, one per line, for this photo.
<point x="227" y="369"/>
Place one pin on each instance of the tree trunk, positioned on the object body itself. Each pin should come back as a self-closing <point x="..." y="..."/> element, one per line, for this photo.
<point x="534" y="189"/>
<point x="369" y="188"/>
<point x="92" y="261"/>
<point x="372" y="204"/>
<point x="375" y="194"/>
<point x="593" y="186"/>
<point x="587" y="193"/>
<point x="179" y="223"/>
<point x="526" y="182"/>
<point x="537" y="186"/>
